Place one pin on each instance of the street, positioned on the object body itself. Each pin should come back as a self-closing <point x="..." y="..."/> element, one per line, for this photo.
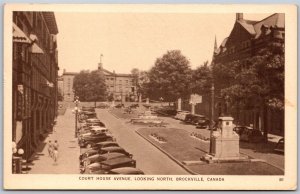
<point x="149" y="158"/>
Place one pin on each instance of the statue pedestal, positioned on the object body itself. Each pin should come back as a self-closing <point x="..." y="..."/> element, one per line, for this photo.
<point x="225" y="144"/>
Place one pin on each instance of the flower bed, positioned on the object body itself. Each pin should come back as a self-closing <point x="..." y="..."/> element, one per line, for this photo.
<point x="158" y="138"/>
<point x="200" y="136"/>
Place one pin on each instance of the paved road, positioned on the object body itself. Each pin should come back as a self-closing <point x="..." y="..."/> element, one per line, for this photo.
<point x="149" y="158"/>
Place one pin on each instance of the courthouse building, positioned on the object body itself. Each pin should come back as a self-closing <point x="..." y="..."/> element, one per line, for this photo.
<point x="35" y="71"/>
<point x="119" y="86"/>
<point x="245" y="40"/>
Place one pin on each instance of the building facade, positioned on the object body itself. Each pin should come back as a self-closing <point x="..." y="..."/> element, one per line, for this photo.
<point x="35" y="72"/>
<point x="246" y="39"/>
<point x="120" y="87"/>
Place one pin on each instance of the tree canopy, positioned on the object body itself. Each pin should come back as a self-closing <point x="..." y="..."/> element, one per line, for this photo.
<point x="170" y="77"/>
<point x="256" y="81"/>
<point x="201" y="79"/>
<point x="90" y="86"/>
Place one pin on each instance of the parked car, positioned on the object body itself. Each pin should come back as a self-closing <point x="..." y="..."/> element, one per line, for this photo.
<point x="188" y="118"/>
<point x="134" y="106"/>
<point x="89" y="140"/>
<point x="114" y="149"/>
<point x="119" y="106"/>
<point x="91" y="109"/>
<point x="183" y="115"/>
<point x="239" y="129"/>
<point x="94" y="130"/>
<point x="105" y="150"/>
<point x="102" y="105"/>
<point x="179" y="114"/>
<point x="279" y="146"/>
<point x="125" y="171"/>
<point x="251" y="135"/>
<point x="105" y="166"/>
<point x="104" y="144"/>
<point x="202" y="123"/>
<point x="101" y="157"/>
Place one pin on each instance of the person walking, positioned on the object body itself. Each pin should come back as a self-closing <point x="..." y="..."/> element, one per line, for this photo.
<point x="50" y="149"/>
<point x="55" y="151"/>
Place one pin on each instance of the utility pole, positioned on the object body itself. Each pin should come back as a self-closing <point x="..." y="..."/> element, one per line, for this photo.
<point x="212" y="90"/>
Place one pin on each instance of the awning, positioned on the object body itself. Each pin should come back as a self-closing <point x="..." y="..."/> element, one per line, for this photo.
<point x="19" y="35"/>
<point x="36" y="49"/>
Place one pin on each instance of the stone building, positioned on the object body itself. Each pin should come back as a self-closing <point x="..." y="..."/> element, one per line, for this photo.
<point x="245" y="40"/>
<point x="120" y="87"/>
<point x="35" y="68"/>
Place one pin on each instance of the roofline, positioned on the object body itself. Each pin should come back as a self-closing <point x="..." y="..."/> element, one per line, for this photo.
<point x="266" y="18"/>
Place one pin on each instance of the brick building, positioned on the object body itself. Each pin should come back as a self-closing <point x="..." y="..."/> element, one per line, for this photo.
<point x="245" y="40"/>
<point x="119" y="86"/>
<point x="35" y="68"/>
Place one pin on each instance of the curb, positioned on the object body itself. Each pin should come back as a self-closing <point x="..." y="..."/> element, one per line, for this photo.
<point x="169" y="155"/>
<point x="113" y="114"/>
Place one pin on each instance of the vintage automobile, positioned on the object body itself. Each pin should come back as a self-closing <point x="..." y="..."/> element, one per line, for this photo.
<point x="89" y="140"/>
<point x="102" y="105"/>
<point x="181" y="114"/>
<point x="101" y="157"/>
<point x="104" y="144"/>
<point x="105" y="166"/>
<point x="134" y="105"/>
<point x="119" y="106"/>
<point x="279" y="146"/>
<point x="104" y="150"/>
<point x="189" y="118"/>
<point x="94" y="131"/>
<point x="201" y="122"/>
<point x="239" y="129"/>
<point x="251" y="135"/>
<point x="114" y="149"/>
<point x="91" y="109"/>
<point x="125" y="171"/>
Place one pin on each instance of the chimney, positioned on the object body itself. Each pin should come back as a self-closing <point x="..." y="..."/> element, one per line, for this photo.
<point x="239" y="16"/>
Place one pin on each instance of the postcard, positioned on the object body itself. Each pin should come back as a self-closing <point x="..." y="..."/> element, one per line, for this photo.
<point x="150" y="97"/>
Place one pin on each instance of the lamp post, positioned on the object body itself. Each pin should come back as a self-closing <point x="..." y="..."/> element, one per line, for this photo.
<point x="76" y="101"/>
<point x="212" y="90"/>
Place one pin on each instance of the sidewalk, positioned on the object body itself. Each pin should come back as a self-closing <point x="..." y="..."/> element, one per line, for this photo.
<point x="68" y="149"/>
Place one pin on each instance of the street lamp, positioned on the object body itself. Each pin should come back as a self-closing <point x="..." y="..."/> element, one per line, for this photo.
<point x="76" y="101"/>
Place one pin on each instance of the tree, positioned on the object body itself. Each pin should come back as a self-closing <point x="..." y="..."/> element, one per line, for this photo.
<point x="90" y="86"/>
<point x="257" y="81"/>
<point x="170" y="77"/>
<point x="201" y="79"/>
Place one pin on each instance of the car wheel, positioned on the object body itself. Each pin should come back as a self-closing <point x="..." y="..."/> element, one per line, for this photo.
<point x="88" y="146"/>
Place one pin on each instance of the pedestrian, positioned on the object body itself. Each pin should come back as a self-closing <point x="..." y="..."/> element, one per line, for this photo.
<point x="50" y="149"/>
<point x="55" y="151"/>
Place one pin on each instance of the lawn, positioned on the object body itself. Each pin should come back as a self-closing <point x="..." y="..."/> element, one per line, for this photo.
<point x="179" y="143"/>
<point x="183" y="147"/>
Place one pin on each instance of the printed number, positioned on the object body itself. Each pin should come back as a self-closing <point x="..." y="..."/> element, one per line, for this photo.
<point x="281" y="179"/>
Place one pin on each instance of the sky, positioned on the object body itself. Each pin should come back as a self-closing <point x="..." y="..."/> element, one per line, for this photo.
<point x="136" y="40"/>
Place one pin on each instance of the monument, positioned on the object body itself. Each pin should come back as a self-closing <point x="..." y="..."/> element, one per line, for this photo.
<point x="225" y="143"/>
